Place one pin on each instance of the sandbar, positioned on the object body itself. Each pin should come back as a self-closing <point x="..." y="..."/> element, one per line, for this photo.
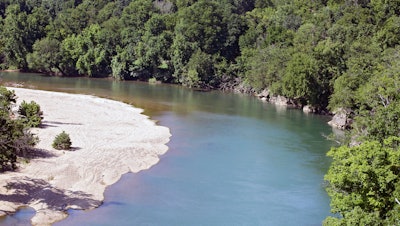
<point x="109" y="139"/>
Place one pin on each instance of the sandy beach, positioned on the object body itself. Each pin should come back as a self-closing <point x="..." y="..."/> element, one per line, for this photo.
<point x="109" y="138"/>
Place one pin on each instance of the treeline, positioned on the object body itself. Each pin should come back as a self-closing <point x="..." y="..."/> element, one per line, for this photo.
<point x="319" y="53"/>
<point x="194" y="43"/>
<point x="328" y="54"/>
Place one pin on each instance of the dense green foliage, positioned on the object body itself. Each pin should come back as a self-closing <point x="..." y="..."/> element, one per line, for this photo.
<point x="329" y="54"/>
<point x="62" y="141"/>
<point x="14" y="137"/>
<point x="365" y="182"/>
<point x="320" y="53"/>
<point x="31" y="113"/>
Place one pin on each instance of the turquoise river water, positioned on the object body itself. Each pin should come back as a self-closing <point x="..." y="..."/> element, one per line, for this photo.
<point x="232" y="160"/>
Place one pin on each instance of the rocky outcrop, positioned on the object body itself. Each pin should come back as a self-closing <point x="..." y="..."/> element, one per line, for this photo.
<point x="342" y="118"/>
<point x="266" y="95"/>
<point x="281" y="101"/>
<point x="308" y="109"/>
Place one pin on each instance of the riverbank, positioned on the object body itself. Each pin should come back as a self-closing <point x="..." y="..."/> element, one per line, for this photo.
<point x="109" y="139"/>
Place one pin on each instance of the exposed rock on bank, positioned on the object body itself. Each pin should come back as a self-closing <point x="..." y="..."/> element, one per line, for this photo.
<point x="342" y="118"/>
<point x="266" y="95"/>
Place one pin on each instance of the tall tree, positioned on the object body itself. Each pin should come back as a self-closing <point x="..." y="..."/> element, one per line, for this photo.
<point x="200" y="26"/>
<point x="14" y="138"/>
<point x="88" y="52"/>
<point x="15" y="35"/>
<point x="46" y="56"/>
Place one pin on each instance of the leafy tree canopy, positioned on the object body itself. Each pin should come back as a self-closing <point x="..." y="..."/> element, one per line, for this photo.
<point x="364" y="183"/>
<point x="15" y="139"/>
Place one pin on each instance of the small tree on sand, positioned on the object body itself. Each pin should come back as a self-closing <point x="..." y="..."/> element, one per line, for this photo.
<point x="62" y="141"/>
<point x="31" y="113"/>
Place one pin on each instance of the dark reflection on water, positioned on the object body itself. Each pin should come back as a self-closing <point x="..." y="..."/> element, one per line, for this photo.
<point x="233" y="160"/>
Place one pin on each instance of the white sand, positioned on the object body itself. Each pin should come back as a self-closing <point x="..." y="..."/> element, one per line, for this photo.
<point x="110" y="138"/>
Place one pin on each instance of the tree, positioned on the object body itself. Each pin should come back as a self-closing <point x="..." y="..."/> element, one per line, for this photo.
<point x="364" y="182"/>
<point x="203" y="24"/>
<point x="383" y="9"/>
<point x="121" y="63"/>
<point x="133" y="19"/>
<point x="388" y="36"/>
<point x="7" y="99"/>
<point x="37" y="21"/>
<point x="46" y="56"/>
<point x="379" y="100"/>
<point x="200" y="71"/>
<point x="15" y="139"/>
<point x="14" y="36"/>
<point x="265" y="68"/>
<point x="19" y="32"/>
<point x="152" y="51"/>
<point x="200" y="26"/>
<point x="32" y="115"/>
<point x="126" y="63"/>
<point x="183" y="3"/>
<point x="362" y="61"/>
<point x="75" y="19"/>
<point x="300" y="80"/>
<point x="88" y="52"/>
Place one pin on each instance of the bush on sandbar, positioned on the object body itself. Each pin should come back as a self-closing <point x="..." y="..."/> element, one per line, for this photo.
<point x="62" y="141"/>
<point x="32" y="115"/>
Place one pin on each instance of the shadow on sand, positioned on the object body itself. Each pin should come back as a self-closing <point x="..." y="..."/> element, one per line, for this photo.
<point x="28" y="190"/>
<point x="46" y="124"/>
<point x="34" y="153"/>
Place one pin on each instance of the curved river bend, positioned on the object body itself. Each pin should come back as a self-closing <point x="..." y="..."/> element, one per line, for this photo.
<point x="232" y="160"/>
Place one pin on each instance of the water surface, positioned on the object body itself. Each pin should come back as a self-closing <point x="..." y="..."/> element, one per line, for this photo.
<point x="232" y="159"/>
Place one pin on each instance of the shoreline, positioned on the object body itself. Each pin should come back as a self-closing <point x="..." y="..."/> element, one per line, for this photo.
<point x="10" y="70"/>
<point x="109" y="139"/>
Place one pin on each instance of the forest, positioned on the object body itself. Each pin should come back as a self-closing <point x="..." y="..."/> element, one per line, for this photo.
<point x="328" y="54"/>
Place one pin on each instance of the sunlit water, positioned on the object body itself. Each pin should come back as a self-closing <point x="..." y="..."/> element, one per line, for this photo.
<point x="232" y="160"/>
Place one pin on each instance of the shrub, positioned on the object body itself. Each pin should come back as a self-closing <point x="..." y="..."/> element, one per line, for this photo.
<point x="7" y="98"/>
<point x="153" y="81"/>
<point x="62" y="141"/>
<point x="31" y="113"/>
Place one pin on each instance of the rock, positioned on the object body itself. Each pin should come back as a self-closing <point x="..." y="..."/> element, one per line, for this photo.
<point x="264" y="94"/>
<point x="280" y="100"/>
<point x="308" y="109"/>
<point x="354" y="142"/>
<point x="341" y="119"/>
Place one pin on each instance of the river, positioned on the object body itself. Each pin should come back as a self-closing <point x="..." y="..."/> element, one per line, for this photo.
<point x="232" y="160"/>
